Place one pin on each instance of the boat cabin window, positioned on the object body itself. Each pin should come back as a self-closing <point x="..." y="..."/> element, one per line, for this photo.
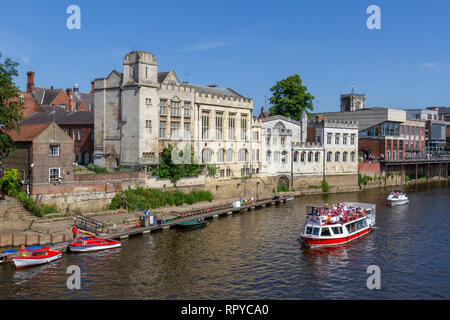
<point x="351" y="227"/>
<point x="308" y="230"/>
<point x="39" y="253"/>
<point x="316" y="231"/>
<point x="26" y="254"/>
<point x="325" y="232"/>
<point x="337" y="230"/>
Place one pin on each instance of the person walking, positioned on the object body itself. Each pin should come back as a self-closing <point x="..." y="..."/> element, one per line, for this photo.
<point x="74" y="231"/>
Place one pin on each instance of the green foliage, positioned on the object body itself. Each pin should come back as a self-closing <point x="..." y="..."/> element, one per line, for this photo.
<point x="10" y="105"/>
<point x="10" y="183"/>
<point x="314" y="187"/>
<point x="325" y="187"/>
<point x="96" y="168"/>
<point x="283" y="188"/>
<point x="30" y="205"/>
<point x="212" y="169"/>
<point x="290" y="98"/>
<point x="167" y="169"/>
<point x="144" y="198"/>
<point x="363" y="180"/>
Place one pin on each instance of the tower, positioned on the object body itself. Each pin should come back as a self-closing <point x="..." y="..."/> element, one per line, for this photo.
<point x="352" y="101"/>
<point x="304" y="126"/>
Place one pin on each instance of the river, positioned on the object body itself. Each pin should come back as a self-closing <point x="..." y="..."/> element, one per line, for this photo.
<point x="257" y="255"/>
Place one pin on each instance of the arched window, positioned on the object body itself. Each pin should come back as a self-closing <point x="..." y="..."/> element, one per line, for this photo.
<point x="317" y="157"/>
<point x="344" y="156"/>
<point x="310" y="155"/>
<point x="276" y="156"/>
<point x="283" y="157"/>
<point x="302" y="159"/>
<point x="268" y="156"/>
<point x="352" y="157"/>
<point x="220" y="155"/>
<point x="206" y="155"/>
<point x="243" y="155"/>
<point x="230" y="155"/>
<point x="336" y="156"/>
<point x="295" y="156"/>
<point x="329" y="155"/>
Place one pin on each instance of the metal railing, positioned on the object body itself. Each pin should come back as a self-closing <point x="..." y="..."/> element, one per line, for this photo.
<point x="89" y="224"/>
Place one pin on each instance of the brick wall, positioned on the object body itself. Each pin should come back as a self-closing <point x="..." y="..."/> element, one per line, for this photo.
<point x="369" y="169"/>
<point x="43" y="162"/>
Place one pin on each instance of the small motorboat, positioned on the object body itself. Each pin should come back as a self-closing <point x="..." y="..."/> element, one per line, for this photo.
<point x="87" y="244"/>
<point x="195" y="223"/>
<point x="397" y="197"/>
<point x="35" y="255"/>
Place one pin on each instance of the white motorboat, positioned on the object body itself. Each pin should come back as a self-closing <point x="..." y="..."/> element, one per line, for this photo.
<point x="397" y="197"/>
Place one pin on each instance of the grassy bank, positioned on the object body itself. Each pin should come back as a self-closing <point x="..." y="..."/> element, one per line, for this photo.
<point x="147" y="198"/>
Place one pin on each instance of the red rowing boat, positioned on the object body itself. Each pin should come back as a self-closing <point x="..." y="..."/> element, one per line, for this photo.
<point x="87" y="244"/>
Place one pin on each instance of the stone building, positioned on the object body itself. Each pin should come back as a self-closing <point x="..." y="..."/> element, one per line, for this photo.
<point x="140" y="111"/>
<point x="352" y="102"/>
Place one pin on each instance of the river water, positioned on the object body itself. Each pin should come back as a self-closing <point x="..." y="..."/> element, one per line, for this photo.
<point x="256" y="255"/>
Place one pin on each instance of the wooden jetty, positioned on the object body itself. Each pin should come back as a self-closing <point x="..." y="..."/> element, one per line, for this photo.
<point x="200" y="213"/>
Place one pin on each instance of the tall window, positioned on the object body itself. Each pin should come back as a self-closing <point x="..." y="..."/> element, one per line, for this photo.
<point x="79" y="134"/>
<point x="329" y="155"/>
<point x="336" y="156"/>
<point x="352" y="156"/>
<point x="187" y="130"/>
<point x="295" y="156"/>
<point x="268" y="141"/>
<point x="329" y="138"/>
<point x="243" y="128"/>
<point x="163" y="107"/>
<point x="255" y="135"/>
<point x="54" y="174"/>
<point x="317" y="157"/>
<point x="231" y="127"/>
<point x="344" y="156"/>
<point x="174" y="130"/>
<point x="283" y="141"/>
<point x="344" y="138"/>
<point x="148" y="124"/>
<point x="302" y="157"/>
<point x="283" y="157"/>
<point x="242" y="156"/>
<point x="175" y="109"/>
<point x="205" y="126"/>
<point x="187" y="109"/>
<point x="206" y="155"/>
<point x="230" y="155"/>
<point x="54" y="150"/>
<point x="219" y="131"/>
<point x="268" y="156"/>
<point x="353" y="139"/>
<point x="162" y="129"/>
<point x="220" y="155"/>
<point x="310" y="155"/>
<point x="337" y="138"/>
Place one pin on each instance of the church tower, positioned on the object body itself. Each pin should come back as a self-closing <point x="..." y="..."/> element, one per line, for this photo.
<point x="352" y="101"/>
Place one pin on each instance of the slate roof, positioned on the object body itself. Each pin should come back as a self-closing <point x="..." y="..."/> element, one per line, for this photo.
<point x="84" y="98"/>
<point x="45" y="96"/>
<point x="213" y="90"/>
<point x="61" y="118"/>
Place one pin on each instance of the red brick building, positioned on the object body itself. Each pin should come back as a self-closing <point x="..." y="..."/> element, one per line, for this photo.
<point x="77" y="125"/>
<point x="43" y="155"/>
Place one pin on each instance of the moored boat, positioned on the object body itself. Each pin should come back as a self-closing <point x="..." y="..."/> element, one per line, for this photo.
<point x="397" y="197"/>
<point x="195" y="223"/>
<point x="338" y="224"/>
<point x="35" y="255"/>
<point x="87" y="244"/>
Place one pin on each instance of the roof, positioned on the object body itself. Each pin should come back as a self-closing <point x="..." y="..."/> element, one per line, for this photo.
<point x="61" y="118"/>
<point x="27" y="133"/>
<point x="213" y="90"/>
<point x="84" y="98"/>
<point x="45" y="96"/>
<point x="162" y="76"/>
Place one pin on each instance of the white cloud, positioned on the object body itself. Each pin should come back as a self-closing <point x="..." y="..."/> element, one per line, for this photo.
<point x="206" y="45"/>
<point x="433" y="66"/>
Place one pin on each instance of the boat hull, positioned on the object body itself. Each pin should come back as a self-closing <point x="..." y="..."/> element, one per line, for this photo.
<point x="28" y="262"/>
<point x="190" y="226"/>
<point x="332" y="241"/>
<point x="93" y="248"/>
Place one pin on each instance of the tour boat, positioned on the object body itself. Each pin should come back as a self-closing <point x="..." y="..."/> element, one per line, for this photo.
<point x="35" y="255"/>
<point x="337" y="225"/>
<point x="195" y="223"/>
<point x="86" y="244"/>
<point x="397" y="197"/>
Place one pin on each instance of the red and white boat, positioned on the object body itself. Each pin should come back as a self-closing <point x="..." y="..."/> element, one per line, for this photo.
<point x="35" y="255"/>
<point x="87" y="244"/>
<point x="341" y="223"/>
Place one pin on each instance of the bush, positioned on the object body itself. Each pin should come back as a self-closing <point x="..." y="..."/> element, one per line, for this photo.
<point x="283" y="188"/>
<point x="325" y="186"/>
<point x="10" y="182"/>
<point x="96" y="168"/>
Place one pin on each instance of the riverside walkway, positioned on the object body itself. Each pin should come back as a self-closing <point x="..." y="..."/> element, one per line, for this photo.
<point x="144" y="230"/>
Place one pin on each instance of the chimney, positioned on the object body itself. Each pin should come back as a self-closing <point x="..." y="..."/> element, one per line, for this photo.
<point x="75" y="88"/>
<point x="92" y="86"/>
<point x="69" y="94"/>
<point x="30" y="81"/>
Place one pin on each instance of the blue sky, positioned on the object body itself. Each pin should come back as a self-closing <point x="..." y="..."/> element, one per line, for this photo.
<point x="245" y="45"/>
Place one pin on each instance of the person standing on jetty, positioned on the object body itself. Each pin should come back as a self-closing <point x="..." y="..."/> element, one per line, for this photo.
<point x="74" y="231"/>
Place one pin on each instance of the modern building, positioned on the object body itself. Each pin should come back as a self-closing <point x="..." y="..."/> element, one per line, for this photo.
<point x="77" y="125"/>
<point x="43" y="154"/>
<point x="140" y="111"/>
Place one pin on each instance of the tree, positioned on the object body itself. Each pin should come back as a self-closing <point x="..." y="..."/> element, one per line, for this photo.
<point x="290" y="98"/>
<point x="10" y="105"/>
